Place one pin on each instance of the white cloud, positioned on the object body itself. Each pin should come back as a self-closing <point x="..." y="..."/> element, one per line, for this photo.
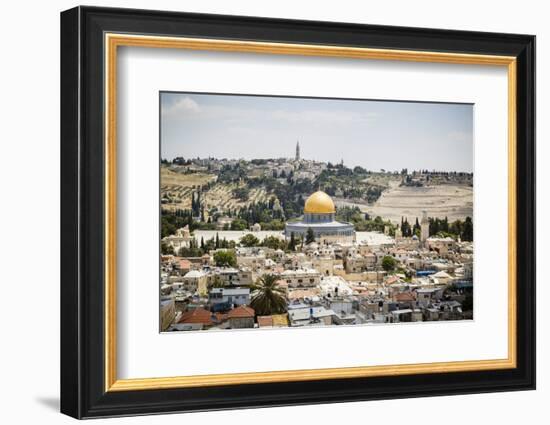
<point x="182" y="105"/>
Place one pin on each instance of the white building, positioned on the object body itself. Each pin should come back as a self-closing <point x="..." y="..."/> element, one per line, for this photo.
<point x="180" y="240"/>
<point x="301" y="277"/>
<point x="334" y="286"/>
<point x="194" y="281"/>
<point x="303" y="315"/>
<point x="441" y="277"/>
<point x="235" y="296"/>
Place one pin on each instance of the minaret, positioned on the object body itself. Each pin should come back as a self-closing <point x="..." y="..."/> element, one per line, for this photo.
<point x="424" y="227"/>
<point x="297" y="151"/>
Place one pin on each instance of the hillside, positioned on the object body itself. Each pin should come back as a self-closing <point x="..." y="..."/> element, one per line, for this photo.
<point x="451" y="201"/>
<point x="177" y="188"/>
<point x="231" y="186"/>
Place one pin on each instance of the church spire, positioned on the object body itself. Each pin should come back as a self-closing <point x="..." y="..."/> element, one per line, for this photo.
<point x="297" y="151"/>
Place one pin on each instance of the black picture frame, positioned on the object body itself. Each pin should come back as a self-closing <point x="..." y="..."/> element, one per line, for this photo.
<point x="83" y="392"/>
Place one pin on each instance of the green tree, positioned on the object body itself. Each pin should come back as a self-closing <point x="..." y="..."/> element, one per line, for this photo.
<point x="238" y="224"/>
<point x="249" y="240"/>
<point x="268" y="298"/>
<point x="388" y="263"/>
<point x="173" y="220"/>
<point x="292" y="243"/>
<point x="406" y="228"/>
<point x="192" y="251"/>
<point x="166" y="249"/>
<point x="273" y="243"/>
<point x="273" y="224"/>
<point x="209" y="245"/>
<point x="241" y="193"/>
<point x="434" y="226"/>
<point x="226" y="258"/>
<point x="310" y="236"/>
<point x="445" y="225"/>
<point x="416" y="227"/>
<point x="468" y="230"/>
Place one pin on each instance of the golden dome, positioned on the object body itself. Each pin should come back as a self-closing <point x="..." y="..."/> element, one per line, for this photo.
<point x="319" y="203"/>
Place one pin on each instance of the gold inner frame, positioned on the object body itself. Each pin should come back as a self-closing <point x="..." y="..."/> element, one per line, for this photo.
<point x="113" y="41"/>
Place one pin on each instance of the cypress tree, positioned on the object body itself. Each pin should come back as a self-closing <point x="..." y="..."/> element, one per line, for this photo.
<point x="292" y="243"/>
<point x="468" y="230"/>
<point x="310" y="236"/>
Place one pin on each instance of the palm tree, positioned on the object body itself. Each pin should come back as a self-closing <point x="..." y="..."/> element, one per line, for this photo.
<point x="268" y="296"/>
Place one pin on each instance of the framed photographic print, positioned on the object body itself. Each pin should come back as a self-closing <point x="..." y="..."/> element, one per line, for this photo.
<point x="261" y="212"/>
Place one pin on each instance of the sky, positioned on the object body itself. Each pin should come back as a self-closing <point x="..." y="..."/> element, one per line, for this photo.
<point x="376" y="135"/>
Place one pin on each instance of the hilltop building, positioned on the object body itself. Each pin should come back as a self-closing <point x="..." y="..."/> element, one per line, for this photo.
<point x="181" y="239"/>
<point x="319" y="216"/>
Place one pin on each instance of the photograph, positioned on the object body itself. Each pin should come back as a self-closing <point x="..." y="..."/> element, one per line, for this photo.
<point x="285" y="212"/>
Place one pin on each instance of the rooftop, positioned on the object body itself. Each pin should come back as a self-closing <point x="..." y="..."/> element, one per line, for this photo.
<point x="241" y="312"/>
<point x="198" y="315"/>
<point x="194" y="274"/>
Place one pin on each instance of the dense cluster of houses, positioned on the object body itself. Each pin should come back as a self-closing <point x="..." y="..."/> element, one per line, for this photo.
<point x="322" y="284"/>
<point x="283" y="169"/>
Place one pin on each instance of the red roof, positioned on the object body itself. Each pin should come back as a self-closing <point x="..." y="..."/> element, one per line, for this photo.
<point x="198" y="315"/>
<point x="240" y="312"/>
<point x="405" y="296"/>
<point x="183" y="263"/>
